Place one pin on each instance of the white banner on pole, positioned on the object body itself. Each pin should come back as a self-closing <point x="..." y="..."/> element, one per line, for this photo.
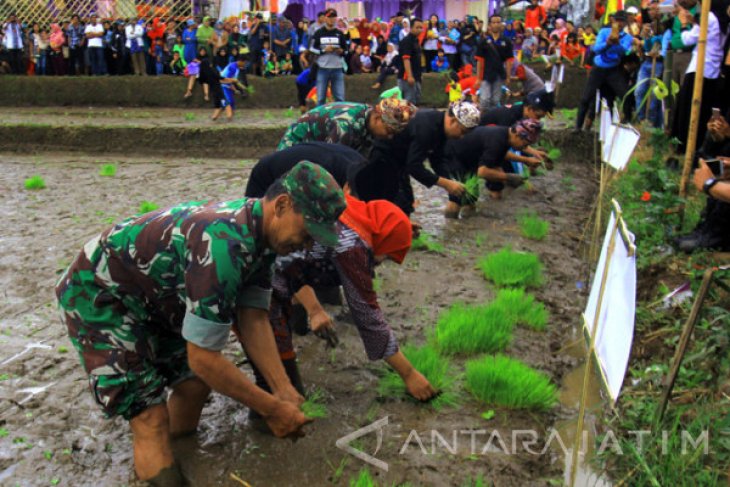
<point x="621" y="140"/>
<point x="605" y="119"/>
<point x="615" y="328"/>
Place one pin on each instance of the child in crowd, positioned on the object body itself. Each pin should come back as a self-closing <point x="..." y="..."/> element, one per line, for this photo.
<point x="41" y="44"/>
<point x="221" y="59"/>
<point x="271" y="68"/>
<point x="158" y="51"/>
<point x="177" y="66"/>
<point x="286" y="65"/>
<point x="439" y="64"/>
<point x="572" y="50"/>
<point x="366" y="61"/>
<point x="179" y="48"/>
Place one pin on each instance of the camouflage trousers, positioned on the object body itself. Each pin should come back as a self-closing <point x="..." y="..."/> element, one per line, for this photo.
<point x="130" y="359"/>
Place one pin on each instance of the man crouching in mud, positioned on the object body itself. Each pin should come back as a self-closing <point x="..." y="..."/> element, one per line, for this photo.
<point x="150" y="304"/>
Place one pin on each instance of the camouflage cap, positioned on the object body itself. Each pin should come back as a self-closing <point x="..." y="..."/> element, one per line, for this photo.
<point x="466" y="113"/>
<point x="318" y="197"/>
<point x="395" y="113"/>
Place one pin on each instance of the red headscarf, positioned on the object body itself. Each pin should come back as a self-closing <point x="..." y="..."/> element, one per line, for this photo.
<point x="381" y="224"/>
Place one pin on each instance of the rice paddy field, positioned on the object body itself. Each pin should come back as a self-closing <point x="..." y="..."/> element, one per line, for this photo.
<point x="51" y="432"/>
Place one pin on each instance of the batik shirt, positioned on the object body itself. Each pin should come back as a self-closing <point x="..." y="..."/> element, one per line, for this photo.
<point x="185" y="269"/>
<point x="336" y="123"/>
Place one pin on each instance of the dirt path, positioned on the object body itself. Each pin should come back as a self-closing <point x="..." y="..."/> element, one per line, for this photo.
<point x="55" y="434"/>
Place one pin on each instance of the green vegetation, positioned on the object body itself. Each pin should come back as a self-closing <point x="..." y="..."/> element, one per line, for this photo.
<point x="516" y="269"/>
<point x="476" y="329"/>
<point x="426" y="243"/>
<point x="522" y="308"/>
<point x="4" y="432"/>
<point x="532" y="226"/>
<point x="472" y="184"/>
<point x="35" y="182"/>
<point x="477" y="481"/>
<point x="436" y="368"/>
<point x="108" y="170"/>
<point x="190" y="117"/>
<point x="507" y="382"/>
<point x="364" y="479"/>
<point x="147" y="206"/>
<point x="554" y="154"/>
<point x="314" y="407"/>
<point x="62" y="349"/>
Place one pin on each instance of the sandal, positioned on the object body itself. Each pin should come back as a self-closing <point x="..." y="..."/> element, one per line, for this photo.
<point x="188" y="94"/>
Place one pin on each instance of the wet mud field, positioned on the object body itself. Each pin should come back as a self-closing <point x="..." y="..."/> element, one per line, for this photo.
<point x="53" y="434"/>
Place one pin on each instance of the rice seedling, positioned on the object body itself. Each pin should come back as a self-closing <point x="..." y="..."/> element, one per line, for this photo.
<point x="190" y="117"/>
<point x="364" y="479"/>
<point x="522" y="308"/>
<point x="289" y="113"/>
<point x="554" y="154"/>
<point x="313" y="407"/>
<point x="479" y="241"/>
<point x="472" y="190"/>
<point x="507" y="382"/>
<point x="147" y="206"/>
<point x="512" y="269"/>
<point x="35" y="182"/>
<point x="251" y="90"/>
<point x="377" y="284"/>
<point x="532" y="226"/>
<point x="477" y="481"/>
<point x="434" y="367"/>
<point x="268" y="115"/>
<point x="426" y="243"/>
<point x="475" y="329"/>
<point x="108" y="170"/>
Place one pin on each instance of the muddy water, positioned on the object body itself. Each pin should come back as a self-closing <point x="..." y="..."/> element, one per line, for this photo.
<point x="55" y="432"/>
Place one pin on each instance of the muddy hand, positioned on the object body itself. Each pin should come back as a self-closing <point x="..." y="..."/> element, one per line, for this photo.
<point x="289" y="394"/>
<point x="419" y="387"/>
<point x="330" y="335"/>
<point x="514" y="180"/>
<point x="322" y="325"/>
<point x="286" y="420"/>
<point x="416" y="229"/>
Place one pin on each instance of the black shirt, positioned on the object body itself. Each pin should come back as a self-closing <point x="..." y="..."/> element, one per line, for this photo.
<point x="493" y="53"/>
<point x="341" y="161"/>
<point x="503" y="116"/>
<point x="409" y="48"/>
<point x="483" y="146"/>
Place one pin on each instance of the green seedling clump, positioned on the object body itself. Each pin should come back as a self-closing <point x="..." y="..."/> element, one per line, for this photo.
<point x="108" y="170"/>
<point x="512" y="269"/>
<point x="533" y="227"/>
<point x="554" y="154"/>
<point x="147" y="206"/>
<point x="507" y="382"/>
<point x="472" y="190"/>
<point x="477" y="481"/>
<point x="364" y="479"/>
<point x="313" y="407"/>
<point x="522" y="308"/>
<point x="475" y="329"/>
<point x="426" y="243"/>
<point x="434" y="367"/>
<point x="35" y="182"/>
<point x="189" y="117"/>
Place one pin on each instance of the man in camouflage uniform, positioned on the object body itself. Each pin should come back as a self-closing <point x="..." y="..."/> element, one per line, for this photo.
<point x="352" y="124"/>
<point x="150" y="303"/>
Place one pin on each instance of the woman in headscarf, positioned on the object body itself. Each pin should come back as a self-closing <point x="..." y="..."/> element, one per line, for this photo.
<point x="190" y="40"/>
<point x="405" y="30"/>
<point x="387" y="66"/>
<point x="57" y="40"/>
<point x="368" y="234"/>
<point x="365" y="32"/>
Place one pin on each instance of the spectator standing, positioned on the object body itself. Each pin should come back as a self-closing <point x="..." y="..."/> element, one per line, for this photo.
<point x="330" y="46"/>
<point x="190" y="40"/>
<point x="282" y="38"/>
<point x="467" y="47"/>
<point x="76" y="38"/>
<point x="257" y="36"/>
<point x="449" y="38"/>
<point x="171" y="33"/>
<point x="219" y="38"/>
<point x="42" y="48"/>
<point x="431" y="43"/>
<point x="535" y="15"/>
<point x="33" y="51"/>
<point x="653" y="65"/>
<point x="494" y="52"/>
<point x="134" y="33"/>
<point x="396" y="26"/>
<point x="57" y="40"/>
<point x="316" y="26"/>
<point x="117" y="47"/>
<point x="94" y="33"/>
<point x="204" y="33"/>
<point x="410" y="54"/>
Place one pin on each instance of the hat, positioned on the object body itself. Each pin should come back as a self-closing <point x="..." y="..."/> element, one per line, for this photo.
<point x="399" y="14"/>
<point x="542" y="100"/>
<point x="632" y="10"/>
<point x="318" y="197"/>
<point x="528" y="129"/>
<point x="466" y="113"/>
<point x="190" y="22"/>
<point x="395" y="113"/>
<point x="619" y="15"/>
<point x="330" y="12"/>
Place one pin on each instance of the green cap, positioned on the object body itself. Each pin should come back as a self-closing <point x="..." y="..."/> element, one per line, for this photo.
<point x="318" y="197"/>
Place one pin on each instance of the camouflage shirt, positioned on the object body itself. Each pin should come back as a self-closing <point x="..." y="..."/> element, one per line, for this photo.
<point x="185" y="268"/>
<point x="336" y="123"/>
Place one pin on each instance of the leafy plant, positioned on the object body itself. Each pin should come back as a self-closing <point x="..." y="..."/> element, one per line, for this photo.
<point x="147" y="206"/>
<point x="289" y="113"/>
<point x="471" y="196"/>
<point x="522" y="308"/>
<point x="35" y="182"/>
<point x="364" y="479"/>
<point x="426" y="243"/>
<point x="474" y="329"/>
<point x="532" y="226"/>
<point x="507" y="382"/>
<point x="314" y="407"/>
<point x="108" y="170"/>
<point x="434" y="367"/>
<point x="477" y="481"/>
<point x="554" y="154"/>
<point x="190" y="117"/>
<point x="512" y="269"/>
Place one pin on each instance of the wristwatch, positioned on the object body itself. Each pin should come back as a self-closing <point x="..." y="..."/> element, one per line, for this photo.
<point x="707" y="186"/>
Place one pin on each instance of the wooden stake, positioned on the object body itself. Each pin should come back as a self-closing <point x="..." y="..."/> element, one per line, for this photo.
<point x="689" y="326"/>
<point x="694" y="120"/>
<point x="577" y="444"/>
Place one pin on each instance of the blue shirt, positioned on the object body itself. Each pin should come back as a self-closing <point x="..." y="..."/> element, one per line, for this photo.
<point x="609" y="55"/>
<point x="75" y="36"/>
<point x="230" y="71"/>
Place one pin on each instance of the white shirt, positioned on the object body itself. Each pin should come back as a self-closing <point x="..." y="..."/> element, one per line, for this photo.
<point x="713" y="48"/>
<point x="133" y="32"/>
<point x="13" y="36"/>
<point x="94" y="41"/>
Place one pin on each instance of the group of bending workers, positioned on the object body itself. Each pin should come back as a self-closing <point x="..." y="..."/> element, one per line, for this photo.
<point x="151" y="302"/>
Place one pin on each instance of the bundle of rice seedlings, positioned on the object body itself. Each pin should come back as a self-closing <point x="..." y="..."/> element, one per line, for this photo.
<point x="108" y="170"/>
<point x="512" y="269"/>
<point x="507" y="382"/>
<point x="434" y="367"/>
<point x="35" y="182"/>
<point x="532" y="226"/>
<point x="426" y="243"/>
<point x="147" y="206"/>
<point x="522" y="308"/>
<point x="314" y="407"/>
<point x="475" y="329"/>
<point x="472" y="190"/>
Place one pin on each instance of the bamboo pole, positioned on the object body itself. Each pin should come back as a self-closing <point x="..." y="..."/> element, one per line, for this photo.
<point x="694" y="120"/>
<point x="689" y="326"/>
<point x="651" y="85"/>
<point x="577" y="444"/>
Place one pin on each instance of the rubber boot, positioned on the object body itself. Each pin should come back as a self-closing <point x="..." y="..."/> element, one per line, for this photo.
<point x="168" y="477"/>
